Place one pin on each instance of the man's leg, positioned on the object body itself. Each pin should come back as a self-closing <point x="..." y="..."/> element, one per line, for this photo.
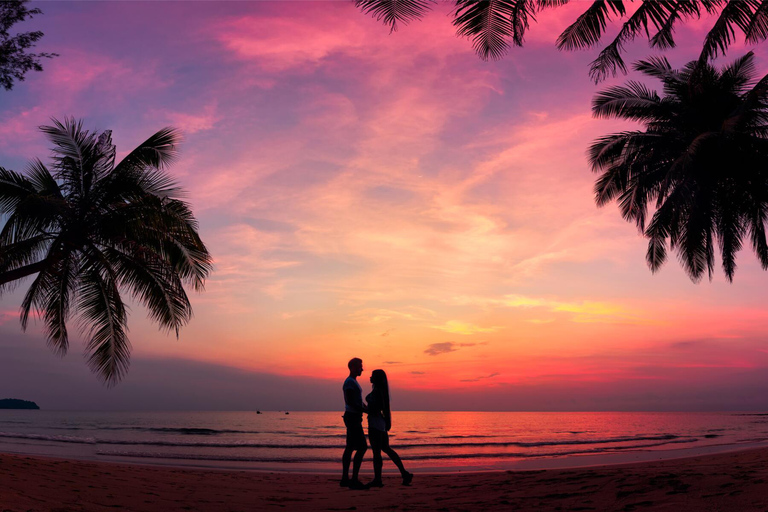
<point x="358" y="461"/>
<point x="345" y="460"/>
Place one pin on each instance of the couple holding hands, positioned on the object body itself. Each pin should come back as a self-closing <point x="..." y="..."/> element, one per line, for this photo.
<point x="379" y="422"/>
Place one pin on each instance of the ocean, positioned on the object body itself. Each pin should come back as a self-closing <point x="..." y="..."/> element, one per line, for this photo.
<point x="427" y="441"/>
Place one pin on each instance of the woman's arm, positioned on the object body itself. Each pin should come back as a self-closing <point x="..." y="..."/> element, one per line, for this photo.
<point x="387" y="411"/>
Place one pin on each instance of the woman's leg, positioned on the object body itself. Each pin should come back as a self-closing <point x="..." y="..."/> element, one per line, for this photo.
<point x="396" y="459"/>
<point x="374" y="436"/>
<point x="384" y="447"/>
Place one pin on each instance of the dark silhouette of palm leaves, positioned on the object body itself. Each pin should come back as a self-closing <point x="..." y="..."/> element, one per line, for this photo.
<point x="91" y="229"/>
<point x="495" y="25"/>
<point x="490" y="24"/>
<point x="392" y="12"/>
<point x="700" y="164"/>
<point x="735" y="14"/>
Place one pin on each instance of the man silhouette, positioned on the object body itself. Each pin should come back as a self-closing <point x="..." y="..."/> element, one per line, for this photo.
<point x="353" y="419"/>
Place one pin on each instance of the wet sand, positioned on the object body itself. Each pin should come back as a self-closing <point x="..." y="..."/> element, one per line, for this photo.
<point x="736" y="481"/>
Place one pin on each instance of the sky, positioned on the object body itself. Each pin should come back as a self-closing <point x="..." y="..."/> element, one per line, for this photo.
<point x="388" y="196"/>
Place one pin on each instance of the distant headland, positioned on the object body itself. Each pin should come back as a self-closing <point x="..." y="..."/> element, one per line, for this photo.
<point x="15" y="403"/>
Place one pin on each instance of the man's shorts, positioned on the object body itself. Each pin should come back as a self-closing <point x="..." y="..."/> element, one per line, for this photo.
<point x="355" y="433"/>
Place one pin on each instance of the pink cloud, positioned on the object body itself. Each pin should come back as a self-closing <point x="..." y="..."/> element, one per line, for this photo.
<point x="188" y="122"/>
<point x="8" y="315"/>
<point x="307" y="35"/>
<point x="19" y="133"/>
<point x="288" y="42"/>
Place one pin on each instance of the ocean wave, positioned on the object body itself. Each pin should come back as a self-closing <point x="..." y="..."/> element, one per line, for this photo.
<point x="534" y="444"/>
<point x="44" y="437"/>
<point x="311" y="446"/>
<point x="189" y="431"/>
<point x="464" y="437"/>
<point x="192" y="431"/>
<point x="418" y="457"/>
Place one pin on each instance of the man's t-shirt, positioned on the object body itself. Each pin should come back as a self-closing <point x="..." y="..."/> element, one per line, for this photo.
<point x="353" y="399"/>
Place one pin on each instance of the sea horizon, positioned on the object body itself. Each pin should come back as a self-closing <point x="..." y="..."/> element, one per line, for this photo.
<point x="429" y="441"/>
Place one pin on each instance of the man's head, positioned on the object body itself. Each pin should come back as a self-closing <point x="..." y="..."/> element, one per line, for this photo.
<point x="355" y="366"/>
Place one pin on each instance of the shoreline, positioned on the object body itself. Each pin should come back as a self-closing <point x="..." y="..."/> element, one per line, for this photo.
<point x="735" y="480"/>
<point x="539" y="463"/>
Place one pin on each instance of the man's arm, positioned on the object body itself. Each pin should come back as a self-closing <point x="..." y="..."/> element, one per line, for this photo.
<point x="353" y="398"/>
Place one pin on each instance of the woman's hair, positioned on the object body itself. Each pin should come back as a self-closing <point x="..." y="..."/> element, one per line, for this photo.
<point x="380" y="384"/>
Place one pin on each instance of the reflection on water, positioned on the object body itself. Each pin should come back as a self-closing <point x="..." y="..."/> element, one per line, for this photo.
<point x="314" y="440"/>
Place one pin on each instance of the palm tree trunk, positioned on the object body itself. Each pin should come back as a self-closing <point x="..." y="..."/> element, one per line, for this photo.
<point x="21" y="272"/>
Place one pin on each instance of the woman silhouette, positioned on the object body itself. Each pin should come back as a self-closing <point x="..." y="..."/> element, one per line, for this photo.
<point x="379" y="422"/>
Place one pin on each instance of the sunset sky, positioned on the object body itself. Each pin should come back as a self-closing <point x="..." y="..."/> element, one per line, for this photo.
<point x="385" y="196"/>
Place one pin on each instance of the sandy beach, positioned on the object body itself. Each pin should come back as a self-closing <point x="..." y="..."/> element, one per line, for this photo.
<point x="736" y="481"/>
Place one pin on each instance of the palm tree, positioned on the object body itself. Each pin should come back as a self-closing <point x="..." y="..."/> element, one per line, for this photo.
<point x="700" y="164"/>
<point x="92" y="230"/>
<point x="494" y="25"/>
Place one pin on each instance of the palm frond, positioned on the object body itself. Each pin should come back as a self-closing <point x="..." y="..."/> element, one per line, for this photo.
<point x="589" y="27"/>
<point x="695" y="249"/>
<point x="134" y="185"/>
<point x="104" y="315"/>
<point x="154" y="283"/>
<point x="43" y="181"/>
<point x="615" y="149"/>
<point x="657" y="67"/>
<point x="660" y="229"/>
<point x="35" y="298"/>
<point x="74" y="147"/>
<point x="656" y="255"/>
<point x="169" y="228"/>
<point x="757" y="30"/>
<point x="711" y="6"/>
<point x="25" y="223"/>
<point x="664" y="38"/>
<point x="522" y="11"/>
<point x="754" y="98"/>
<point x="14" y="187"/>
<point x="680" y="9"/>
<point x="609" y="61"/>
<point x="549" y="4"/>
<point x="24" y="252"/>
<point x="104" y="155"/>
<point x="757" y="235"/>
<point x="490" y="22"/>
<point x="34" y="212"/>
<point x="157" y="151"/>
<point x="392" y="12"/>
<point x="56" y="308"/>
<point x="32" y="299"/>
<point x="735" y="14"/>
<point x="739" y="73"/>
<point x="610" y="184"/>
<point x="633" y="101"/>
<point x="730" y="232"/>
<point x="183" y="248"/>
